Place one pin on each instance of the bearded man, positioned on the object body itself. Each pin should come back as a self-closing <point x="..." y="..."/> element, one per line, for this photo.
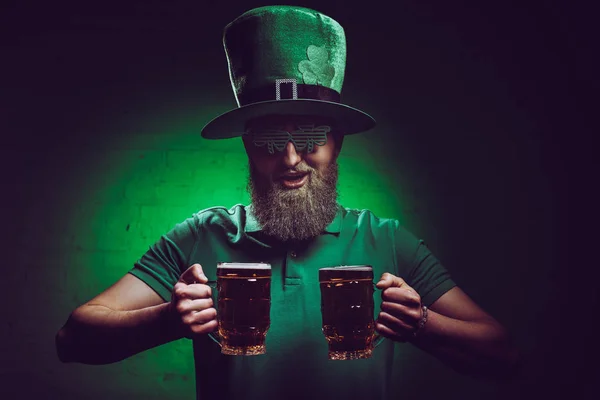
<point x="287" y="67"/>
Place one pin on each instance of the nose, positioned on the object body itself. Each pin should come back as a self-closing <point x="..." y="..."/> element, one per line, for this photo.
<point x="291" y="157"/>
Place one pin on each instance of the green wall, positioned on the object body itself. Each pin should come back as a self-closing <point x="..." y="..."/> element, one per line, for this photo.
<point x="103" y="155"/>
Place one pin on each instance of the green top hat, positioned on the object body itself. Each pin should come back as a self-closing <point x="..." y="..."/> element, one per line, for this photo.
<point x="285" y="60"/>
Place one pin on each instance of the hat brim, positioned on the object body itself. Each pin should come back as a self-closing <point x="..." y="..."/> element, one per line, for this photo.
<point x="231" y="123"/>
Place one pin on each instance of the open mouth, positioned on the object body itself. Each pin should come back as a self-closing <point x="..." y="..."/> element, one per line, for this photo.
<point x="295" y="180"/>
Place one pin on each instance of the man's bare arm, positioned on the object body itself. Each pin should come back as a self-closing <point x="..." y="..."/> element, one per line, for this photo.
<point x="458" y="331"/>
<point x="468" y="339"/>
<point x="129" y="317"/>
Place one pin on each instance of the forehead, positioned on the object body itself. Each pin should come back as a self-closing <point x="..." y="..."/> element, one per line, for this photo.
<point x="285" y="120"/>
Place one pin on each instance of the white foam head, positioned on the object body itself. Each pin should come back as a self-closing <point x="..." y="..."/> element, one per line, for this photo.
<point x="238" y="265"/>
<point x="349" y="267"/>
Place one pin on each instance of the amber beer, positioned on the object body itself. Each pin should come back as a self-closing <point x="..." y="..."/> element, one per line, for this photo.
<point x="244" y="305"/>
<point x="347" y="311"/>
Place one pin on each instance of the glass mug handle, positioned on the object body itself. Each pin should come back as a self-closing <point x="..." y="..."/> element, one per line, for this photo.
<point x="377" y="338"/>
<point x="215" y="337"/>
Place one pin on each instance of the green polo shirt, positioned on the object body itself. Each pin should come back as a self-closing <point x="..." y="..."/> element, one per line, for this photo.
<point x="296" y="364"/>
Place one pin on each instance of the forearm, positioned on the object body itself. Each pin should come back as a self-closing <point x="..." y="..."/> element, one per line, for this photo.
<point x="480" y="348"/>
<point x="96" y="334"/>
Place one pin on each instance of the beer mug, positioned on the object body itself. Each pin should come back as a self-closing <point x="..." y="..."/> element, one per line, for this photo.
<point x="347" y="310"/>
<point x="244" y="306"/>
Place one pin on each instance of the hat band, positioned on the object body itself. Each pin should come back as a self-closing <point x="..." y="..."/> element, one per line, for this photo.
<point x="288" y="89"/>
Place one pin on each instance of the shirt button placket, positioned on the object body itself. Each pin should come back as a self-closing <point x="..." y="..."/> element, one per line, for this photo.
<point x="292" y="274"/>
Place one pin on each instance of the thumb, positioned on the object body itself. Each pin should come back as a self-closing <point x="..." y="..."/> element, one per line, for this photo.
<point x="193" y="274"/>
<point x="388" y="280"/>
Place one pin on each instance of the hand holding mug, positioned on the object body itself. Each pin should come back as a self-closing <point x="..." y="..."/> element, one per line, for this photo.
<point x="191" y="303"/>
<point x="401" y="309"/>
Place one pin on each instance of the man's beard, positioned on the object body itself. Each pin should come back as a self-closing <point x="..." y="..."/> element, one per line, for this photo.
<point x="295" y="214"/>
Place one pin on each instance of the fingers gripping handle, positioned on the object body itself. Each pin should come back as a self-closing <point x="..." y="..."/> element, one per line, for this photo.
<point x="215" y="336"/>
<point x="377" y="338"/>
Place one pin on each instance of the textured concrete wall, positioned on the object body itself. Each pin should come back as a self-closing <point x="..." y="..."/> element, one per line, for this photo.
<point x="102" y="155"/>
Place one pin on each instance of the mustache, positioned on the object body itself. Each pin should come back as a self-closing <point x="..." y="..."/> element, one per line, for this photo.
<point x="298" y="169"/>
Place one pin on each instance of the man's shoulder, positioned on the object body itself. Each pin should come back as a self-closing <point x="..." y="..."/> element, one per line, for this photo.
<point x="221" y="211"/>
<point x="365" y="218"/>
<point x="214" y="218"/>
<point x="220" y="215"/>
<point x="365" y="222"/>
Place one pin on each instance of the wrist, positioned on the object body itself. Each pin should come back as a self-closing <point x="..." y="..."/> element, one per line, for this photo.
<point x="422" y="321"/>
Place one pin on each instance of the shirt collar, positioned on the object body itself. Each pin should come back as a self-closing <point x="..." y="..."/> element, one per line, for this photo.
<point x="252" y="224"/>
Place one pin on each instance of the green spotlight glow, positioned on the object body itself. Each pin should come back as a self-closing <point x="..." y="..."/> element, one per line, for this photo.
<point x="152" y="173"/>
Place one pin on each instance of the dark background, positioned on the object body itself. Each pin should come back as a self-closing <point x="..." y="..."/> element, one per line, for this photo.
<point x="460" y="88"/>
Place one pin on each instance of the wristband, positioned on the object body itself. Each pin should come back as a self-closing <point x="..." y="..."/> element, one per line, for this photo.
<point x="422" y="321"/>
